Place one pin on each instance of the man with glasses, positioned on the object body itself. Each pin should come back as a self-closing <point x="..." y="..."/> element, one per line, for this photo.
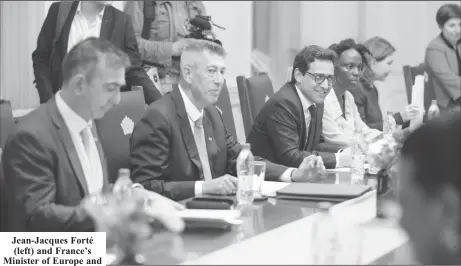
<point x="288" y="128"/>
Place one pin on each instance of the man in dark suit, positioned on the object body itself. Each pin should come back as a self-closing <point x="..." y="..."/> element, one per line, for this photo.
<point x="181" y="147"/>
<point x="86" y="19"/>
<point x="54" y="160"/>
<point x="288" y="127"/>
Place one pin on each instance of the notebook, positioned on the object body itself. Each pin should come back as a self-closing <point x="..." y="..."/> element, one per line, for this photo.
<point x="320" y="192"/>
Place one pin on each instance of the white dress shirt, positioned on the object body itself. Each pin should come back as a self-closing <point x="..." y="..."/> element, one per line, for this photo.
<point x="90" y="162"/>
<point x="340" y="130"/>
<point x="81" y="28"/>
<point x="193" y="113"/>
<point x="306" y="103"/>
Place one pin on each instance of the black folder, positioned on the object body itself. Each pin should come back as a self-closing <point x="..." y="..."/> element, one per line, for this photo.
<point x="321" y="192"/>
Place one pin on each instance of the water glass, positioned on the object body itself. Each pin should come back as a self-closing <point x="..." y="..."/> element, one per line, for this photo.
<point x="259" y="176"/>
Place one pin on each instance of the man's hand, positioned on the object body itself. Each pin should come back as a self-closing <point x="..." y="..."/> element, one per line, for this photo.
<point x="224" y="185"/>
<point x="179" y="45"/>
<point x="310" y="169"/>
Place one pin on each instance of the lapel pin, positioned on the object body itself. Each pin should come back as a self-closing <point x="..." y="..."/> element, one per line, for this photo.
<point x="210" y="139"/>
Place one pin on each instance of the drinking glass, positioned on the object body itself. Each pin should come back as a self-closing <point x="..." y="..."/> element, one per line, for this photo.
<point x="259" y="176"/>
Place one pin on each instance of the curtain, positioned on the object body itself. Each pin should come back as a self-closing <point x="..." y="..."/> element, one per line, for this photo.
<point x="276" y="32"/>
<point x="20" y="24"/>
<point x="282" y="28"/>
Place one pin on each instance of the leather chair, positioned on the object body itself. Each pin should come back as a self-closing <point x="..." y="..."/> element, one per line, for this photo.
<point x="225" y="106"/>
<point x="253" y="93"/>
<point x="410" y="74"/>
<point x="7" y="127"/>
<point x="115" y="129"/>
<point x="288" y="74"/>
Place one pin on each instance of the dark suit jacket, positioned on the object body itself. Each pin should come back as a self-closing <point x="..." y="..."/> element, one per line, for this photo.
<point x="367" y="101"/>
<point x="116" y="27"/>
<point x="279" y="131"/>
<point x="164" y="156"/>
<point x="442" y="64"/>
<point x="44" y="175"/>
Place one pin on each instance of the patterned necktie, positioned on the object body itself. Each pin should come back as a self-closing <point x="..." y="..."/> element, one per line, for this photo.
<point x="199" y="136"/>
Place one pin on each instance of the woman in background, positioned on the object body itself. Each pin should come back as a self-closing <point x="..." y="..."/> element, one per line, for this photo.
<point x="429" y="191"/>
<point x="443" y="58"/>
<point x="341" y="119"/>
<point x="380" y="57"/>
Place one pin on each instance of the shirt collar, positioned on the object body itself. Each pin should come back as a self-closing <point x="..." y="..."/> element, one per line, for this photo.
<point x="74" y="122"/>
<point x="79" y="10"/>
<point x="192" y="111"/>
<point x="306" y="103"/>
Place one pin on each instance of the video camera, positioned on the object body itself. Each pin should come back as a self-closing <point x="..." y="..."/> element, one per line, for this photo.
<point x="200" y="28"/>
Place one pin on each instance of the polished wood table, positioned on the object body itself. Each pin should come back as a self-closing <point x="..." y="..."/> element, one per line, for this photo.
<point x="260" y="221"/>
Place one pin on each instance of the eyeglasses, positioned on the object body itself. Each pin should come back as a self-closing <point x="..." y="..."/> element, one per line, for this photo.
<point x="320" y="78"/>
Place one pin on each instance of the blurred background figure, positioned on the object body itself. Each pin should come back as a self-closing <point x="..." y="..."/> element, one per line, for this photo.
<point x="161" y="28"/>
<point x="379" y="53"/>
<point x="430" y="190"/>
<point x="443" y="58"/>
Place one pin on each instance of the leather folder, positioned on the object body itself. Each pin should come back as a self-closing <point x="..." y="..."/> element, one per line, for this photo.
<point x="321" y="192"/>
<point x="212" y="202"/>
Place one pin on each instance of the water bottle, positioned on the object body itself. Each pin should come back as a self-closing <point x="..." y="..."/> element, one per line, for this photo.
<point x="245" y="172"/>
<point x="357" y="157"/>
<point x="325" y="241"/>
<point x="433" y="110"/>
<point x="123" y="186"/>
<point x="389" y="125"/>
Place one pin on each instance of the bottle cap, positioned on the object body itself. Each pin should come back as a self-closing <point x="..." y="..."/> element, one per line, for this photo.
<point x="124" y="171"/>
<point x="246" y="146"/>
<point x="434" y="101"/>
<point x="324" y="206"/>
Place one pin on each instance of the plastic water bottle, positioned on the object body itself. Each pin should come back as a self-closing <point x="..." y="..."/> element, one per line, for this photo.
<point x="123" y="185"/>
<point x="325" y="239"/>
<point x="245" y="172"/>
<point x="389" y="125"/>
<point x="357" y="157"/>
<point x="433" y="110"/>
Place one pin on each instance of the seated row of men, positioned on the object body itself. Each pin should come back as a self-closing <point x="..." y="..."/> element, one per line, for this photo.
<point x="181" y="147"/>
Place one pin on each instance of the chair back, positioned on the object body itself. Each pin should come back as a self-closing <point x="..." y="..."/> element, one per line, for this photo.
<point x="224" y="104"/>
<point x="7" y="127"/>
<point x="115" y="129"/>
<point x="409" y="74"/>
<point x="7" y="124"/>
<point x="253" y="93"/>
<point x="288" y="75"/>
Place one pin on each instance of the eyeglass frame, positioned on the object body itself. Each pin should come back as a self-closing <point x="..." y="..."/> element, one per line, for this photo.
<point x="323" y="77"/>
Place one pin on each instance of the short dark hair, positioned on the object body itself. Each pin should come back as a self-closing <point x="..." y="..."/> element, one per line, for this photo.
<point x="85" y="56"/>
<point x="307" y="55"/>
<point x="435" y="150"/>
<point x="348" y="44"/>
<point x="447" y="12"/>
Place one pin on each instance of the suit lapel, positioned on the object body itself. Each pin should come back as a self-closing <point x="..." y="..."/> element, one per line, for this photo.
<point x="66" y="140"/>
<point x="107" y="24"/>
<point x="186" y="131"/>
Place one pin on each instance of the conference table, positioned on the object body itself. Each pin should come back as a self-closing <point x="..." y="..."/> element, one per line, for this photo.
<point x="276" y="231"/>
